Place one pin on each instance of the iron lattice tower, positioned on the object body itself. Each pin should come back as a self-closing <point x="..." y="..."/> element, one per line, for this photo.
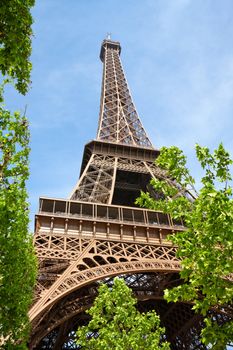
<point x="98" y="232"/>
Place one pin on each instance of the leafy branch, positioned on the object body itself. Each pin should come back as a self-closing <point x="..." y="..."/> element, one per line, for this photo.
<point x="15" y="43"/>
<point x="206" y="247"/>
<point x="17" y="258"/>
<point x="117" y="324"/>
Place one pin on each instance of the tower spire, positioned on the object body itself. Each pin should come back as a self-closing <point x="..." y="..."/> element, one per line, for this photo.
<point x="118" y="119"/>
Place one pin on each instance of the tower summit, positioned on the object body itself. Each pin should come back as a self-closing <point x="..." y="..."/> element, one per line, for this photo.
<point x="98" y="233"/>
<point x="109" y="44"/>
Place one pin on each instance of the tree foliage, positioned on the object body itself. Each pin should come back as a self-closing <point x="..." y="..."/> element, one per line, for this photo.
<point x="206" y="247"/>
<point x="17" y="259"/>
<point x="116" y="323"/>
<point x="15" y="42"/>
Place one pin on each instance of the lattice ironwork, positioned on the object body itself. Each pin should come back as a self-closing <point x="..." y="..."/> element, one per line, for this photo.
<point x="91" y="260"/>
<point x="119" y="121"/>
<point x="147" y="287"/>
<point x="99" y="233"/>
<point x="102" y="175"/>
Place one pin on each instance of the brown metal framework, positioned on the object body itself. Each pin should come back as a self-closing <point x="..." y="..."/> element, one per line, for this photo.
<point x="118" y="121"/>
<point x="99" y="233"/>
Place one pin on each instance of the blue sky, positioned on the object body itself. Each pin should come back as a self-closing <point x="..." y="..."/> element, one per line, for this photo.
<point x="178" y="60"/>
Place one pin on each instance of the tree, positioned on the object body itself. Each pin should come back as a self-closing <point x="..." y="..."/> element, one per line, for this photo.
<point x="116" y="323"/>
<point x="15" y="42"/>
<point x="17" y="258"/>
<point x="206" y="247"/>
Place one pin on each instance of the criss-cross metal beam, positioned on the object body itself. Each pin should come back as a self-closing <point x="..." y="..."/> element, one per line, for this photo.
<point x="118" y="120"/>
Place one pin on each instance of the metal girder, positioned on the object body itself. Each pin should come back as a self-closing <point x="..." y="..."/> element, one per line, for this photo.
<point x="98" y="180"/>
<point x="98" y="260"/>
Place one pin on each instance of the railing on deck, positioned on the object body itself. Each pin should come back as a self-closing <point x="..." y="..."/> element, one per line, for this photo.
<point x="114" y="213"/>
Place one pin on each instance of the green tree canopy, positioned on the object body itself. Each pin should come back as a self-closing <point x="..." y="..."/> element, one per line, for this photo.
<point x="116" y="323"/>
<point x="17" y="258"/>
<point x="206" y="247"/>
<point x="15" y="41"/>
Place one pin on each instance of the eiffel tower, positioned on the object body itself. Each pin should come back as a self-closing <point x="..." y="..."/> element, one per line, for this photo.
<point x="99" y="233"/>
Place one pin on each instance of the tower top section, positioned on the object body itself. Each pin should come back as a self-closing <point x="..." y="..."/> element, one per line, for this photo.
<point x="109" y="44"/>
<point x="118" y="120"/>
